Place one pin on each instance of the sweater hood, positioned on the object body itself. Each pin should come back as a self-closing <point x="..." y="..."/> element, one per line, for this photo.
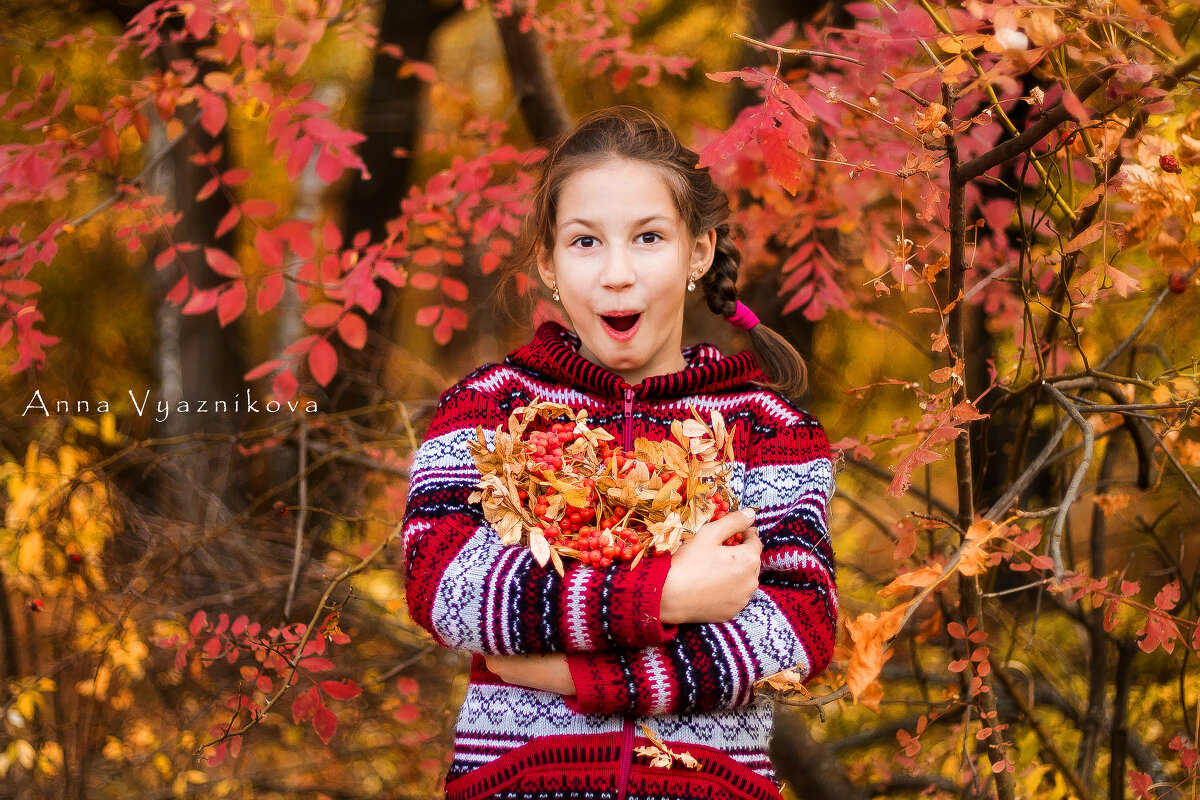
<point x="554" y="353"/>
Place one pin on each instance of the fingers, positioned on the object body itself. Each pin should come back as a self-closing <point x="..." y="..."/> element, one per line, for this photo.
<point x="721" y="529"/>
<point x="751" y="539"/>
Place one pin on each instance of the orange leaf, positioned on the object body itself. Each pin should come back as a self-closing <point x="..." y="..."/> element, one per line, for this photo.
<point x="870" y="634"/>
<point x="919" y="578"/>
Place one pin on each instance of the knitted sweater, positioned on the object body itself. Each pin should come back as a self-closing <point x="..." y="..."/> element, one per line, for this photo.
<point x="691" y="684"/>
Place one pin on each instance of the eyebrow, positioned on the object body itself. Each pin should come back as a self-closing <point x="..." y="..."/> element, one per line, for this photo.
<point x="636" y="222"/>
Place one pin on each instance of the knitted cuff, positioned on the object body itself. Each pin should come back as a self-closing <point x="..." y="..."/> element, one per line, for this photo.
<point x="637" y="602"/>
<point x="600" y="684"/>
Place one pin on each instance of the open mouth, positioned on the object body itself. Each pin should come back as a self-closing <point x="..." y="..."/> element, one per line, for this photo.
<point x="622" y="322"/>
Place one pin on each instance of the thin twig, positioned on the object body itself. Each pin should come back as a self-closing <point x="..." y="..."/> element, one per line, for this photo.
<point x="301" y="518"/>
<point x="1054" y="544"/>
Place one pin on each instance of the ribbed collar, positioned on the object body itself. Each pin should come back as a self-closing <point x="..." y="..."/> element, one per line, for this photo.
<point x="554" y="353"/>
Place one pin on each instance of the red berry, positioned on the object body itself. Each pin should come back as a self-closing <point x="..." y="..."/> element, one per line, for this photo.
<point x="1170" y="164"/>
<point x="627" y="553"/>
<point x="605" y="561"/>
<point x="36" y="604"/>
<point x="1177" y="283"/>
<point x="280" y="508"/>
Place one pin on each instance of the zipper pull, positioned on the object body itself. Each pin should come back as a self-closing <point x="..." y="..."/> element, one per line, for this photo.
<point x="628" y="420"/>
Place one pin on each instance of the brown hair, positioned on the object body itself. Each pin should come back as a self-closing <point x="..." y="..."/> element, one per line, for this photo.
<point x="639" y="135"/>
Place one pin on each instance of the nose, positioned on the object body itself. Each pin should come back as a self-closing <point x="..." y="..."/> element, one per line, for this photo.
<point x="618" y="271"/>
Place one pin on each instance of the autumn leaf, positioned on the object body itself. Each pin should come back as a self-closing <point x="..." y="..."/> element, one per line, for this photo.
<point x="871" y="634"/>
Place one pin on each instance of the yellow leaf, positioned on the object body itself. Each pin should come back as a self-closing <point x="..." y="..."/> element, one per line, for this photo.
<point x="25" y="753"/>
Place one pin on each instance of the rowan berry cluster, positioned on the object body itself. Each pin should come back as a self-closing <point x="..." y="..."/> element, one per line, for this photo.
<point x="568" y="491"/>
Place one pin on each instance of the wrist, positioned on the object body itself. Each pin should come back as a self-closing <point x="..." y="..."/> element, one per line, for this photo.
<point x="672" y="602"/>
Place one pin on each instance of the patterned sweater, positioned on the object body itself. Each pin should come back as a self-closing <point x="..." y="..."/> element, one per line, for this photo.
<point x="691" y="684"/>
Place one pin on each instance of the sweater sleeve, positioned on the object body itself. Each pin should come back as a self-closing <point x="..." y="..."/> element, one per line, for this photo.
<point x="473" y="593"/>
<point x="789" y="623"/>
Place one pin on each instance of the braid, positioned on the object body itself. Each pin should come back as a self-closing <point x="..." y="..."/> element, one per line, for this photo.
<point x="720" y="282"/>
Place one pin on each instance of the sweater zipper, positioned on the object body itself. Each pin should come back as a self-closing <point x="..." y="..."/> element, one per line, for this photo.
<point x="628" y="420"/>
<point x="627" y="732"/>
<point x="626" y="759"/>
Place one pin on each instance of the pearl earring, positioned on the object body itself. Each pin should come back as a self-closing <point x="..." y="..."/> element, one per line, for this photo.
<point x="556" y="297"/>
<point x="692" y="284"/>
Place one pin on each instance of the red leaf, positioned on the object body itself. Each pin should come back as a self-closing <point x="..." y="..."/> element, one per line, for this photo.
<point x="315" y="664"/>
<point x="197" y="623"/>
<point x="427" y="256"/>
<point x="322" y="315"/>
<point x="178" y="291"/>
<point x="305" y="705"/>
<point x="423" y="280"/>
<point x="206" y="191"/>
<point x="269" y="247"/>
<point x="236" y="176"/>
<point x="456" y="290"/>
<point x="328" y="169"/>
<point x="322" y="361"/>
<point x="284" y="388"/>
<point x="202" y="300"/>
<point x="428" y="315"/>
<point x="443" y="331"/>
<point x="212" y="113"/>
<point x="232" y="303"/>
<point x="1168" y="596"/>
<point x="239" y="624"/>
<point x="298" y="235"/>
<point x="218" y="754"/>
<point x="253" y="375"/>
<point x="325" y="724"/>
<point x="341" y="690"/>
<point x="269" y="292"/>
<point x="353" y="331"/>
<point x="298" y="158"/>
<point x="227" y="223"/>
<point x="222" y="263"/>
<point x="1140" y="782"/>
<point x="257" y="209"/>
<point x="331" y="236"/>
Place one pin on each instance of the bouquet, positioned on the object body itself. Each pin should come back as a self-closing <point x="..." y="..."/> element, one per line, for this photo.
<point x="563" y="489"/>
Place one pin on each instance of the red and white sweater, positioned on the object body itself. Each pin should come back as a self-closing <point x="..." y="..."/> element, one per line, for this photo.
<point x="691" y="684"/>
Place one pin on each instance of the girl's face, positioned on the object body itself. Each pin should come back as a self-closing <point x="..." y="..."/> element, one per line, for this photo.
<point x="621" y="261"/>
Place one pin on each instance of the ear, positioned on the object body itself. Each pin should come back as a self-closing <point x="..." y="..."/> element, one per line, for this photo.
<point x="704" y="250"/>
<point x="545" y="267"/>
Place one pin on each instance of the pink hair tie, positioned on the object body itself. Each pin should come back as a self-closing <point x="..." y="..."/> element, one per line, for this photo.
<point x="743" y="317"/>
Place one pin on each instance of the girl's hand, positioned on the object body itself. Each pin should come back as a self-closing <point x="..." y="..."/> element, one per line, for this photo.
<point x="708" y="581"/>
<point x="548" y="673"/>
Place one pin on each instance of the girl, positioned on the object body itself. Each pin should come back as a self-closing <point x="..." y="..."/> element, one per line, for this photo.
<point x="567" y="670"/>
